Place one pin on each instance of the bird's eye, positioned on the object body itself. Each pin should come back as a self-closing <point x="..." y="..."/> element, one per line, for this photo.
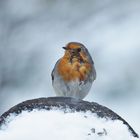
<point x="79" y="49"/>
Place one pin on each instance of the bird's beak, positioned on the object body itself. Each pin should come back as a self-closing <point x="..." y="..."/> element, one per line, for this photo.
<point x="64" y="48"/>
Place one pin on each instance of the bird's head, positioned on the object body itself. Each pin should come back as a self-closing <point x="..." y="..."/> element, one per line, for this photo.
<point x="74" y="50"/>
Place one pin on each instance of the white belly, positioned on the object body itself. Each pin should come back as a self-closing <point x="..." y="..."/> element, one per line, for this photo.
<point x="74" y="89"/>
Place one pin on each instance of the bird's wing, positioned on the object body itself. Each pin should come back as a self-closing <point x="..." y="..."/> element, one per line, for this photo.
<point x="52" y="74"/>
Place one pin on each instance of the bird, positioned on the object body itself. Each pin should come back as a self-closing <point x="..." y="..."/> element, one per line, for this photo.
<point x="74" y="73"/>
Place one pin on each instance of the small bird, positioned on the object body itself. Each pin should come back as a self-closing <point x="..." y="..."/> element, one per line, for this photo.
<point x="74" y="73"/>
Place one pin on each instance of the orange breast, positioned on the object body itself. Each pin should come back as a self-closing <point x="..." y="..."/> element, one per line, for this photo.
<point x="73" y="71"/>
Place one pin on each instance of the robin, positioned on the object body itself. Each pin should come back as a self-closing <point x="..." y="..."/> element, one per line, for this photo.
<point x="74" y="73"/>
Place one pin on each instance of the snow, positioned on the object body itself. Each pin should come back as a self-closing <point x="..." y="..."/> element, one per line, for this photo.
<point x="58" y="124"/>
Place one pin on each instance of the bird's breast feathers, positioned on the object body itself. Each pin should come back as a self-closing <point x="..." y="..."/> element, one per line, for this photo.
<point x="73" y="71"/>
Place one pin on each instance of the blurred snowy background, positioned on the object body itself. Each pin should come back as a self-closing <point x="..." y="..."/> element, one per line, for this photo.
<point x="33" y="32"/>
